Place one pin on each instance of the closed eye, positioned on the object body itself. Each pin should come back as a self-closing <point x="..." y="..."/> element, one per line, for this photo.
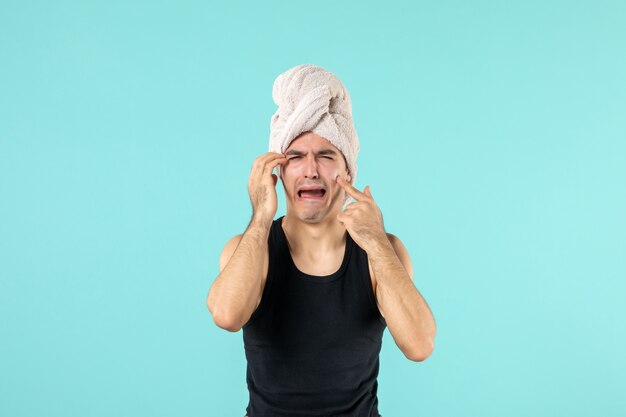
<point x="295" y="157"/>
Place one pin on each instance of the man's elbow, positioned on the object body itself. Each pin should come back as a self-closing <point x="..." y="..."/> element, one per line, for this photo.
<point x="419" y="355"/>
<point x="226" y="324"/>
<point x="222" y="321"/>
<point x="233" y="328"/>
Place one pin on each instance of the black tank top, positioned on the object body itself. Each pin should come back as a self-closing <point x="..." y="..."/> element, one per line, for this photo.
<point x="312" y="345"/>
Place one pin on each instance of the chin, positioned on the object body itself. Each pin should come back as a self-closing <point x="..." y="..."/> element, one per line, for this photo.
<point x="310" y="214"/>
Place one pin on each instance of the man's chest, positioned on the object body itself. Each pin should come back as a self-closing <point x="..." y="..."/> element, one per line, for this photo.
<point x="327" y="267"/>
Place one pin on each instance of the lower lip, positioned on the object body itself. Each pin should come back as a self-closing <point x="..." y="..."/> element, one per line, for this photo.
<point x="308" y="198"/>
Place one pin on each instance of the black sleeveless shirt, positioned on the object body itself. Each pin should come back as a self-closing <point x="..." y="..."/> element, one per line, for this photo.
<point x="312" y="345"/>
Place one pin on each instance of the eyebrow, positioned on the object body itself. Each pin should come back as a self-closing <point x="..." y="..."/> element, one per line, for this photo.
<point x="325" y="151"/>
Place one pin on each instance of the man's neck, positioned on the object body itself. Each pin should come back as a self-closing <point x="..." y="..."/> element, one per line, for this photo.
<point x="313" y="240"/>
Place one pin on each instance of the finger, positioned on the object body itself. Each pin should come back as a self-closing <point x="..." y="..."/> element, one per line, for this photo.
<point x="354" y="193"/>
<point x="269" y="158"/>
<point x="266" y="157"/>
<point x="261" y="160"/>
<point x="269" y="165"/>
<point x="350" y="208"/>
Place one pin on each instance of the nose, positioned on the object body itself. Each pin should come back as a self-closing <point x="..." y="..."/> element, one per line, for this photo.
<point x="310" y="167"/>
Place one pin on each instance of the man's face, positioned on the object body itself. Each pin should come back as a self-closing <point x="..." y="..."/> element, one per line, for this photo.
<point x="313" y="163"/>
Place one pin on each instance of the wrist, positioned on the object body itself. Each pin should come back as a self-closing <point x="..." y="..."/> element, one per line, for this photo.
<point x="260" y="221"/>
<point x="380" y="246"/>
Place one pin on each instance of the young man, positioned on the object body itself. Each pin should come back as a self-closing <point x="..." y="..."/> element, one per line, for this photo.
<point x="314" y="289"/>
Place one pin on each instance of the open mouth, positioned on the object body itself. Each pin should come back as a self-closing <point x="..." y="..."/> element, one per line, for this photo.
<point x="312" y="194"/>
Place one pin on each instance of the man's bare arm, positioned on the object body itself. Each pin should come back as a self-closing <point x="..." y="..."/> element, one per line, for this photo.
<point x="410" y="320"/>
<point x="234" y="294"/>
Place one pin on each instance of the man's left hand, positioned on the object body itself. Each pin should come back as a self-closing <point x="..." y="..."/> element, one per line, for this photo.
<point x="363" y="219"/>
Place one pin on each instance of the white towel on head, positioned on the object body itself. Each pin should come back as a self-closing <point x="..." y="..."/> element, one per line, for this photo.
<point x="311" y="98"/>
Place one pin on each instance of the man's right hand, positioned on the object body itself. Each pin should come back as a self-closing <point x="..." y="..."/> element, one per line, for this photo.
<point x="262" y="185"/>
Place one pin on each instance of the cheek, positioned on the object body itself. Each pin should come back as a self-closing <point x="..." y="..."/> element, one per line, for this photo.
<point x="331" y="168"/>
<point x="289" y="168"/>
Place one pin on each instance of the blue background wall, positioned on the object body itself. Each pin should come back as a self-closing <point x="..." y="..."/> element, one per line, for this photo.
<point x="493" y="136"/>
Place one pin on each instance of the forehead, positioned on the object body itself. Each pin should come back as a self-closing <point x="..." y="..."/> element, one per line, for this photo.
<point x="311" y="141"/>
